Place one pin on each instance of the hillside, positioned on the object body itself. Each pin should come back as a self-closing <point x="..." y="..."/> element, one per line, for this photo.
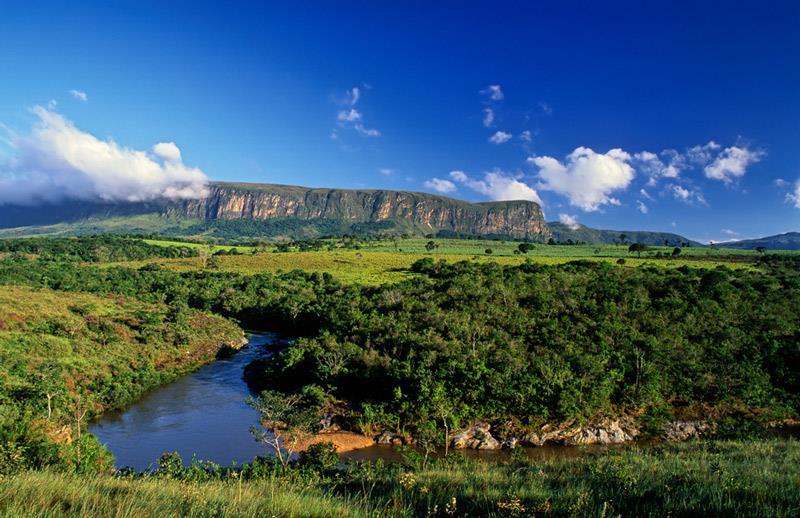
<point x="237" y="209"/>
<point x="66" y="354"/>
<point x="787" y="241"/>
<point x="583" y="234"/>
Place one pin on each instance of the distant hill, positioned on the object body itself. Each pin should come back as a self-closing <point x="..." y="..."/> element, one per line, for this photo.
<point x="250" y="210"/>
<point x="584" y="234"/>
<point x="787" y="241"/>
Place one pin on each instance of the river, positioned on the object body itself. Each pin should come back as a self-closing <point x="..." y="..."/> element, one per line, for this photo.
<point x="205" y="413"/>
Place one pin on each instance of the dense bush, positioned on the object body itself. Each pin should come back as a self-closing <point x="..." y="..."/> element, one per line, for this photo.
<point x="524" y="344"/>
<point x="536" y="343"/>
<point x="93" y="248"/>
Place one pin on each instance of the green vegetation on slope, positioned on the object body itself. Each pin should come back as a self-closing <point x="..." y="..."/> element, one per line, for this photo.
<point x="65" y="357"/>
<point x="583" y="234"/>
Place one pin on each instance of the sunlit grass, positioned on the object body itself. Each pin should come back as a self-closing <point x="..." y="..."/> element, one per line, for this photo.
<point x="45" y="494"/>
<point x="377" y="267"/>
<point x="200" y="246"/>
<point x="689" y="479"/>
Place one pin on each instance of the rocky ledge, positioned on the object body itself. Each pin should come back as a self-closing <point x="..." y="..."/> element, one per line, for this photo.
<point x="605" y="432"/>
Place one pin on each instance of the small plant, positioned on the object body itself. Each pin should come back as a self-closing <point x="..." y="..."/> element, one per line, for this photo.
<point x="320" y="457"/>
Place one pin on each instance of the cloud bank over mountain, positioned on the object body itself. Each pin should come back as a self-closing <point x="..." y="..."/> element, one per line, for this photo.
<point x="59" y="161"/>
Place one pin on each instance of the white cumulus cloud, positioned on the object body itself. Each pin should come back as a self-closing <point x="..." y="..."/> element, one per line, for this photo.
<point x="352" y="117"/>
<point x="569" y="220"/>
<point x="440" y="185"/>
<point x="167" y="151"/>
<point x="680" y="192"/>
<point x="495" y="92"/>
<point x="500" y="137"/>
<point x="794" y="197"/>
<point x="686" y="195"/>
<point x="366" y="132"/>
<point x="655" y="167"/>
<point x="526" y="136"/>
<point x="58" y="160"/>
<point x="353" y="95"/>
<point x="498" y="186"/>
<point x="702" y="154"/>
<point x="79" y="95"/>
<point x="488" y="117"/>
<point x="732" y="163"/>
<point x="586" y="178"/>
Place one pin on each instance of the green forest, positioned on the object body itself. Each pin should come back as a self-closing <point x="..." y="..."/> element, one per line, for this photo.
<point x="517" y="346"/>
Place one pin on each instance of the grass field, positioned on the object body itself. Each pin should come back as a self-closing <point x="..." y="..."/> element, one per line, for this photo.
<point x="209" y="247"/>
<point x="690" y="479"/>
<point x="479" y="246"/>
<point x="378" y="265"/>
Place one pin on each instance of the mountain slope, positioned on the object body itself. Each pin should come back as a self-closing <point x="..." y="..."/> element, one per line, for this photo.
<point x="787" y="241"/>
<point x="584" y="234"/>
<point x="237" y="209"/>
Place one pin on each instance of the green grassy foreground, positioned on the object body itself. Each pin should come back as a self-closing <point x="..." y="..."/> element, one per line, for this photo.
<point x="717" y="478"/>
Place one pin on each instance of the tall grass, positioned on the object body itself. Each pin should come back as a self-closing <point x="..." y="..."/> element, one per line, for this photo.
<point x="43" y="494"/>
<point x="693" y="479"/>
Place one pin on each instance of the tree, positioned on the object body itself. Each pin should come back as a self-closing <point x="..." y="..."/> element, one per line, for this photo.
<point x="213" y="262"/>
<point x="79" y="416"/>
<point x="429" y="246"/>
<point x="623" y="238"/>
<point x="676" y="251"/>
<point x="761" y="249"/>
<point x="204" y="253"/>
<point x="638" y="248"/>
<point x="442" y="410"/>
<point x="284" y="421"/>
<point x="488" y="251"/>
<point x="525" y="247"/>
<point x="51" y="384"/>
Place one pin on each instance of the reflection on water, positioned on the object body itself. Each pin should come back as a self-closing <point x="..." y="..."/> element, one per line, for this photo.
<point x="203" y="413"/>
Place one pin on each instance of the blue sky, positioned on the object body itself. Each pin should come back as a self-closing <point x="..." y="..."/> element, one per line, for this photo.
<point x="590" y="104"/>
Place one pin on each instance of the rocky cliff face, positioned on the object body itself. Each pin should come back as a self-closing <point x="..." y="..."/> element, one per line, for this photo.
<point x="521" y="219"/>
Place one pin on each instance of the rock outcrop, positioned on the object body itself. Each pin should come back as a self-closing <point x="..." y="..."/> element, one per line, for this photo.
<point x="476" y="437"/>
<point x="685" y="430"/>
<point x="609" y="431"/>
<point x="426" y="212"/>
